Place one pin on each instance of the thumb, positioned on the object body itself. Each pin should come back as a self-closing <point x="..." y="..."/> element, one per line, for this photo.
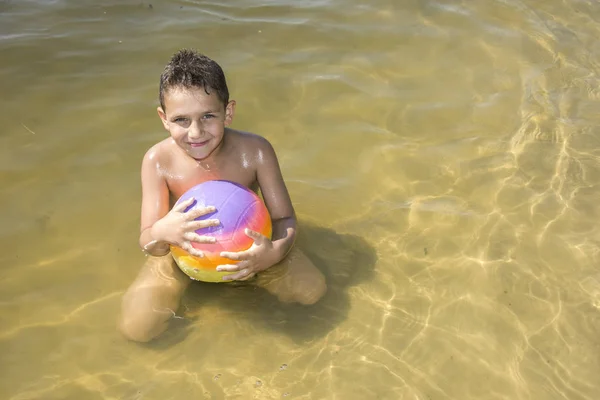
<point x="257" y="237"/>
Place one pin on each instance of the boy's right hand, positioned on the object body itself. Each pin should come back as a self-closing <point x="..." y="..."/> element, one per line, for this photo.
<point x="178" y="227"/>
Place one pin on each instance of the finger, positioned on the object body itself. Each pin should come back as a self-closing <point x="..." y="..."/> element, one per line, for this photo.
<point x="181" y="207"/>
<point x="237" y="277"/>
<point x="200" y="211"/>
<point x="196" y="253"/>
<point x="194" y="237"/>
<point x="231" y="267"/>
<point x="187" y="246"/>
<point x="237" y="256"/>
<point x="257" y="237"/>
<point x="247" y="277"/>
<point x="203" y="223"/>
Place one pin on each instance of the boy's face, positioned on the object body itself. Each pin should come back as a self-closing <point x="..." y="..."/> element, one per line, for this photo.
<point x="196" y="120"/>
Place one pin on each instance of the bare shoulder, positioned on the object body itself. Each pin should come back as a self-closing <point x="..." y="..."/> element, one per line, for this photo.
<point x="252" y="143"/>
<point x="158" y="155"/>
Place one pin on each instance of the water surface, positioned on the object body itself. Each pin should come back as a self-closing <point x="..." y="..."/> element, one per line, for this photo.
<point x="443" y="157"/>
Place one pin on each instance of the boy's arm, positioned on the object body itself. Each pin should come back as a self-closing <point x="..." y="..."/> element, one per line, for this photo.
<point x="277" y="199"/>
<point x="155" y="204"/>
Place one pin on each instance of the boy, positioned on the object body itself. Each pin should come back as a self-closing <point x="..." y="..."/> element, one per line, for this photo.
<point x="195" y="109"/>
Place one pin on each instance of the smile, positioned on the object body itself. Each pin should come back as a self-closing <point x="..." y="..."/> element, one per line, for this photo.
<point x="199" y="144"/>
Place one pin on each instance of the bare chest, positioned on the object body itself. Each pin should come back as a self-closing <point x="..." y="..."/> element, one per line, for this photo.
<point x="184" y="175"/>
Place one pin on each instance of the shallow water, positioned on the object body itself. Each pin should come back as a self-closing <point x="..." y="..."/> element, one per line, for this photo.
<point x="442" y="156"/>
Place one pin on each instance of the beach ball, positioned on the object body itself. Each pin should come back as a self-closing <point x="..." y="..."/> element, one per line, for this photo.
<point x="237" y="208"/>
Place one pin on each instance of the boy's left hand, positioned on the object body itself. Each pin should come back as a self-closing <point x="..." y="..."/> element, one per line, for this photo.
<point x="257" y="258"/>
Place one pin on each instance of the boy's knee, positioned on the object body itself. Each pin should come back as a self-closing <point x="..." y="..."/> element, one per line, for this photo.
<point x="312" y="292"/>
<point x="134" y="333"/>
<point x="142" y="327"/>
<point x="151" y="301"/>
<point x="137" y="329"/>
<point x="142" y="322"/>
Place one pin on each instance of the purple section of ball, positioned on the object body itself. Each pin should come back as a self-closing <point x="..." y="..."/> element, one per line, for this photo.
<point x="229" y="199"/>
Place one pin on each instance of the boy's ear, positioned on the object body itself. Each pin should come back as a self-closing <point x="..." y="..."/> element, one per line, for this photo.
<point x="229" y="112"/>
<point x="163" y="117"/>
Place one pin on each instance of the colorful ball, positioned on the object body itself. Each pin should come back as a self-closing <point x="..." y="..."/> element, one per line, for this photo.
<point x="237" y="208"/>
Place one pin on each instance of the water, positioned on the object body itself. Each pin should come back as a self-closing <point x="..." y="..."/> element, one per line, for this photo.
<point x="442" y="157"/>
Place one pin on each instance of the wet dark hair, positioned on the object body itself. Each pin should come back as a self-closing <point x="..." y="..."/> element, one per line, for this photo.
<point x="190" y="69"/>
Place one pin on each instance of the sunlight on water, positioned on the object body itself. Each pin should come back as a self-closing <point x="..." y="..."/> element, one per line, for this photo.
<point x="443" y="158"/>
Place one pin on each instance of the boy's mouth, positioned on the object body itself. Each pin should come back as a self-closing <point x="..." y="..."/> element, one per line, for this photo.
<point x="198" y="144"/>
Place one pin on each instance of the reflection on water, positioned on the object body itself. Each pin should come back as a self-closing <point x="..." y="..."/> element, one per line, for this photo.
<point x="442" y="156"/>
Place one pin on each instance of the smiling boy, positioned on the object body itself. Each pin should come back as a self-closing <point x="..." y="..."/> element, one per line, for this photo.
<point x="196" y="111"/>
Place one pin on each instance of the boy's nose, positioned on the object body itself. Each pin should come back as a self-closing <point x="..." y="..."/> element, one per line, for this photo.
<point x="195" y="130"/>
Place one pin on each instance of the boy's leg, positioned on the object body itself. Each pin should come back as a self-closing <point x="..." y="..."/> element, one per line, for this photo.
<point x="294" y="279"/>
<point x="152" y="299"/>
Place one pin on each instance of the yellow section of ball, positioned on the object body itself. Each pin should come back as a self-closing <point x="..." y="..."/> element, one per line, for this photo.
<point x="191" y="266"/>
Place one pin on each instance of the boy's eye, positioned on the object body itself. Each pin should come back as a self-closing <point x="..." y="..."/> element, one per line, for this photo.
<point x="180" y="119"/>
<point x="208" y="116"/>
